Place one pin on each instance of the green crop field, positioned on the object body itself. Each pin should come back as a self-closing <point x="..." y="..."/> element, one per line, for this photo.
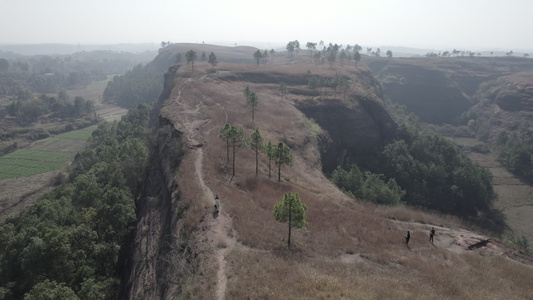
<point x="27" y="162"/>
<point x="82" y="134"/>
<point x="44" y="155"/>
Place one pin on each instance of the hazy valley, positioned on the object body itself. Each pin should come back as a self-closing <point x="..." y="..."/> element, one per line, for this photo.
<point x="168" y="243"/>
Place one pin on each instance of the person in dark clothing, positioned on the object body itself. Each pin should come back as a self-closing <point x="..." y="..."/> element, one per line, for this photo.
<point x="407" y="237"/>
<point x="217" y="203"/>
<point x="431" y="234"/>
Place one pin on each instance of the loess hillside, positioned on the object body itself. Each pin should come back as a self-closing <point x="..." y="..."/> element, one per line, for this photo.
<point x="350" y="250"/>
<point x="474" y="101"/>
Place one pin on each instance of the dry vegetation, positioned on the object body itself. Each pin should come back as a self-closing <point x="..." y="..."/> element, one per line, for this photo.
<point x="350" y="250"/>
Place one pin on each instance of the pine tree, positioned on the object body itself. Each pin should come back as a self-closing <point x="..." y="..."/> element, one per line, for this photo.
<point x="256" y="143"/>
<point x="292" y="211"/>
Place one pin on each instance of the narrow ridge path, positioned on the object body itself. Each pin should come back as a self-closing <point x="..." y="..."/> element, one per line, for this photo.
<point x="219" y="229"/>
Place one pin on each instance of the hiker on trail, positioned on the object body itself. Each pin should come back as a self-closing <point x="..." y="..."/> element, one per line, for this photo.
<point x="217" y="203"/>
<point x="431" y="234"/>
<point x="407" y="237"/>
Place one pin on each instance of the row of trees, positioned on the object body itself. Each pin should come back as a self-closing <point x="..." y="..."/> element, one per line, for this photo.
<point x="377" y="53"/>
<point x="192" y="55"/>
<point x="70" y="243"/>
<point x="334" y="53"/>
<point x="22" y="86"/>
<point x="263" y="56"/>
<point x="462" y="53"/>
<point x="235" y="139"/>
<point x="338" y="83"/>
<point x="58" y="107"/>
<point x="330" y="53"/>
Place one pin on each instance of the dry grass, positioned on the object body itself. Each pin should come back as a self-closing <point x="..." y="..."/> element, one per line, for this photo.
<point x="350" y="250"/>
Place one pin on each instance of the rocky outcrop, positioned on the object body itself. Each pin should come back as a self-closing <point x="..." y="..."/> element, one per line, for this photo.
<point x="514" y="93"/>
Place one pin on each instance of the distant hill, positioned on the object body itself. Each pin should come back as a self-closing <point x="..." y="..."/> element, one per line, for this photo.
<point x="65" y="49"/>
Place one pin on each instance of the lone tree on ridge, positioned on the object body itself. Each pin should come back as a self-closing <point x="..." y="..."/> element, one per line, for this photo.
<point x="356" y="57"/>
<point x="191" y="56"/>
<point x="237" y="139"/>
<point x="253" y="100"/>
<point x="246" y="92"/>
<point x="282" y="89"/>
<point x="212" y="60"/>
<point x="292" y="211"/>
<point x="257" y="56"/>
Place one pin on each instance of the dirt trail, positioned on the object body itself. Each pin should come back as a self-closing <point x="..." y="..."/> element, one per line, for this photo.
<point x="219" y="231"/>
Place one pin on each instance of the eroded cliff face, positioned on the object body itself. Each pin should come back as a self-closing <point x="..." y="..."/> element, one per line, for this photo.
<point x="356" y="128"/>
<point x="505" y="104"/>
<point x="513" y="93"/>
<point x="147" y="274"/>
<point x="440" y="90"/>
<point x="494" y="93"/>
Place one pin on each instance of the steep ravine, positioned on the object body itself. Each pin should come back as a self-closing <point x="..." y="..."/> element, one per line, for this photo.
<point x="152" y="242"/>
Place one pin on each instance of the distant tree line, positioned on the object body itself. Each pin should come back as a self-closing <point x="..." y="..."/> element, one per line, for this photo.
<point x="23" y="75"/>
<point x="466" y="53"/>
<point x="56" y="107"/>
<point x="70" y="243"/>
<point x="331" y="53"/>
<point x="338" y="84"/>
<point x="142" y="84"/>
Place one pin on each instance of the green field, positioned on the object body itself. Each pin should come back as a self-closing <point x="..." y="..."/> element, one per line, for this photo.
<point x="82" y="134"/>
<point x="44" y="155"/>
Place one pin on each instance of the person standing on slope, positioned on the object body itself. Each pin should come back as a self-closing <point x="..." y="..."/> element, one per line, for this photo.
<point x="431" y="234"/>
<point x="217" y="203"/>
<point x="407" y="237"/>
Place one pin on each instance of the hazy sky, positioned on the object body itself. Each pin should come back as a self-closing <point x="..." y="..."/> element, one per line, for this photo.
<point x="435" y="24"/>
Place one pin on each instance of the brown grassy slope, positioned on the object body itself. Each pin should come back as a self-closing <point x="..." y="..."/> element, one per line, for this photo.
<point x="349" y="250"/>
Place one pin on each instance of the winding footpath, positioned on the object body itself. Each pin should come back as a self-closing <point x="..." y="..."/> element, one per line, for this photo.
<point x="219" y="225"/>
